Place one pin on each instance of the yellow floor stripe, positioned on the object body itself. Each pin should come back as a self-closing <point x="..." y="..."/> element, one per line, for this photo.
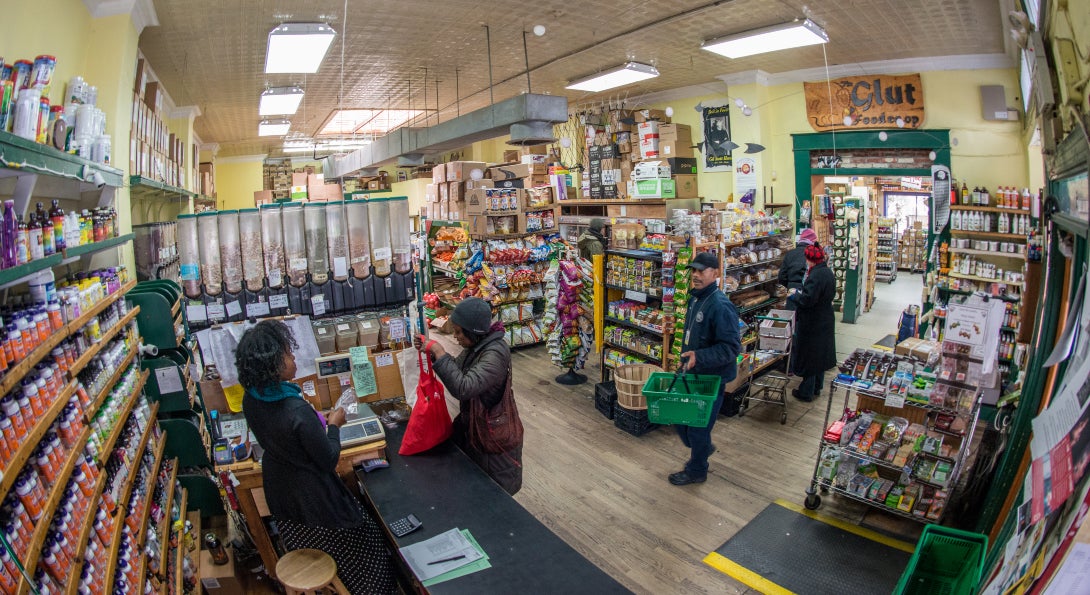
<point x="744" y="575"/>
<point x="849" y="527"/>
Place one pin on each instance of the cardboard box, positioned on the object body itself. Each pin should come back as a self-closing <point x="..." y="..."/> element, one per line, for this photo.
<point x="298" y="179"/>
<point x="926" y="350"/>
<point x="647" y="115"/>
<point x="905" y="347"/>
<point x="431" y="192"/>
<point x="141" y="77"/>
<point x="682" y="165"/>
<point x="444" y="192"/>
<point x="676" y="149"/>
<point x="439" y="174"/>
<point x="517" y="171"/>
<point x="511" y="156"/>
<point x="482" y="183"/>
<point x="781" y="328"/>
<point x="680" y="133"/>
<point x="153" y="96"/>
<point x="648" y="134"/>
<point x="387" y="376"/>
<point x="220" y="580"/>
<point x="457" y="211"/>
<point x="430" y="210"/>
<point x="444" y="209"/>
<point x="542" y="159"/>
<point x="298" y="192"/>
<point x="539" y="197"/>
<point x="457" y="192"/>
<point x="263" y="197"/>
<point x="658" y="188"/>
<point x="685" y="187"/>
<point x="774" y="343"/>
<point x="497" y="201"/>
<point x="546" y="214"/>
<point x="533" y="150"/>
<point x="650" y="170"/>
<point x="460" y="171"/>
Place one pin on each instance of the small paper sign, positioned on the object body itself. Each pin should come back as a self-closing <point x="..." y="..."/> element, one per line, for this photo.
<point x="234" y="308"/>
<point x="340" y="267"/>
<point x="397" y="329"/>
<point x="297" y="264"/>
<point x="170" y="381"/>
<point x="317" y="305"/>
<point x="894" y="400"/>
<point x="258" y="309"/>
<point x="363" y="373"/>
<point x="196" y="313"/>
<point x="278" y="301"/>
<point x="382" y="253"/>
<point x="384" y="359"/>
<point x="216" y="312"/>
<point x="190" y="272"/>
<point x="636" y="296"/>
<point x="275" y="278"/>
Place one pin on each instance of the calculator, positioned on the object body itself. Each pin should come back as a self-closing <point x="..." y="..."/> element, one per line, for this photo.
<point x="403" y="527"/>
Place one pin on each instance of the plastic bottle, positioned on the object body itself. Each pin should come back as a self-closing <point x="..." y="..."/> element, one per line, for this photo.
<point x="25" y="119"/>
<point x="964" y="194"/>
<point x="1025" y="199"/>
<point x="34" y="239"/>
<point x="9" y="234"/>
<point x="56" y="215"/>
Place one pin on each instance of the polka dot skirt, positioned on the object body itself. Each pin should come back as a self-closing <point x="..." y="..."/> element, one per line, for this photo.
<point x="363" y="561"/>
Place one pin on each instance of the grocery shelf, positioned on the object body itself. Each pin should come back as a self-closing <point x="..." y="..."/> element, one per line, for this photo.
<point x="97" y="246"/>
<point x="1014" y="255"/>
<point x="17" y="274"/>
<point x="106" y="388"/>
<point x="643" y="291"/>
<point x="989" y="209"/>
<point x="763" y="304"/>
<point x="72" y="584"/>
<point x="84" y="359"/>
<point x="630" y="351"/>
<point x="735" y="267"/>
<point x="651" y="255"/>
<point x="985" y="280"/>
<point x="33" y="437"/>
<point x="126" y="491"/>
<point x="141" y="187"/>
<point x="18" y="154"/>
<point x="881" y="506"/>
<point x="991" y="235"/>
<point x="632" y="325"/>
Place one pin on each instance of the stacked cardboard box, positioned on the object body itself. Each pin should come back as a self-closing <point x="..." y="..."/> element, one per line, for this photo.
<point x="444" y="198"/>
<point x="154" y="151"/>
<point x="912" y="252"/>
<point x="502" y="211"/>
<point x="277" y="178"/>
<point x="206" y="180"/>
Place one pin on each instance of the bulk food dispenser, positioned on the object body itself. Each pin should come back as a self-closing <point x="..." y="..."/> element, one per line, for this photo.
<point x="403" y="285"/>
<point x="295" y="254"/>
<point x="189" y="254"/>
<point x="276" y="270"/>
<point x="211" y="267"/>
<point x="361" y="281"/>
<point x="391" y="285"/>
<point x="255" y="301"/>
<point x="337" y="244"/>
<point x="314" y="220"/>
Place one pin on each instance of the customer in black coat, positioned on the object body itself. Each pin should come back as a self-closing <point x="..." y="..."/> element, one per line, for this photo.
<point x="312" y="506"/>
<point x="482" y="373"/>
<point x="793" y="266"/>
<point x="815" y="325"/>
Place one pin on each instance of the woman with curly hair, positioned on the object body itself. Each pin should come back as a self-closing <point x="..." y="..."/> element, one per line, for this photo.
<point x="312" y="507"/>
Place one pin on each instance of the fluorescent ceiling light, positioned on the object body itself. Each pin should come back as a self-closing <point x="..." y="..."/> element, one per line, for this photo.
<point x="273" y="127"/>
<point x="615" y="77"/>
<point x="298" y="47"/>
<point x="310" y="146"/>
<point x="769" y="39"/>
<point x="374" y="122"/>
<point x="279" y="101"/>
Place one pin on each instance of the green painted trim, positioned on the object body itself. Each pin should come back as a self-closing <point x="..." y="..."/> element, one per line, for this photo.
<point x="896" y="139"/>
<point x="20" y="154"/>
<point x="141" y="186"/>
<point x="870" y="171"/>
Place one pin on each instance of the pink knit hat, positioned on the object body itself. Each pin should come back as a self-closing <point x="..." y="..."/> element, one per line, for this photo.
<point x="807" y="236"/>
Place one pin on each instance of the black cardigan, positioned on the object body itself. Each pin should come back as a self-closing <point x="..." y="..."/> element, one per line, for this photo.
<point x="299" y="464"/>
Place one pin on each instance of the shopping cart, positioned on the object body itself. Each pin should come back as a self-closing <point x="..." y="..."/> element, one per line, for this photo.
<point x="765" y="384"/>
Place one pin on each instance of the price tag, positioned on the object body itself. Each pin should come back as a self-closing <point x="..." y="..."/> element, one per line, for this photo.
<point x="894" y="400"/>
<point x="636" y="296"/>
<point x="278" y="301"/>
<point x="382" y="254"/>
<point x="258" y="309"/>
<point x="170" y="381"/>
<point x="275" y="278"/>
<point x="384" y="359"/>
<point x="317" y="305"/>
<point x="397" y="329"/>
<point x="340" y="267"/>
<point x="234" y="308"/>
<point x="196" y="313"/>
<point x="297" y="264"/>
<point x="216" y="312"/>
<point x="190" y="272"/>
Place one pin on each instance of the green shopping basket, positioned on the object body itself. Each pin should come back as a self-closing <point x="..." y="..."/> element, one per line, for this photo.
<point x="946" y="561"/>
<point x="687" y="404"/>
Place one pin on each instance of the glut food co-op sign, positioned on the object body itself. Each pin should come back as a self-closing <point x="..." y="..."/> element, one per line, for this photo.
<point x="876" y="101"/>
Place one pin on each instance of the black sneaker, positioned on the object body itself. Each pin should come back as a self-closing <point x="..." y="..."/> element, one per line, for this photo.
<point x="682" y="478"/>
<point x="795" y="393"/>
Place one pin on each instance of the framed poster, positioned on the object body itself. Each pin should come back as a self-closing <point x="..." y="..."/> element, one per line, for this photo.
<point x="717" y="154"/>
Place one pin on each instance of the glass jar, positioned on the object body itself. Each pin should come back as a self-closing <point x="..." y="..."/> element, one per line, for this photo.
<point x="317" y="244"/>
<point x="379" y="221"/>
<point x="253" y="260"/>
<point x="272" y="237"/>
<point x="230" y="250"/>
<point x="295" y="244"/>
<point x="337" y="238"/>
<point x="359" y="238"/>
<point x="209" y="234"/>
<point x="401" y="233"/>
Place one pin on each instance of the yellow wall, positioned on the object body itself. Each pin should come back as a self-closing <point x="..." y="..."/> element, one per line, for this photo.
<point x="713" y="186"/>
<point x="237" y="178"/>
<point x="29" y="31"/>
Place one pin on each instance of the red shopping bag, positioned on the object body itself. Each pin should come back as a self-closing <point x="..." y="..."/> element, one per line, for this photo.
<point x="429" y="423"/>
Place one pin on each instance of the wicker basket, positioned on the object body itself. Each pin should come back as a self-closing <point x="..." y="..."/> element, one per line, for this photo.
<point x="630" y="379"/>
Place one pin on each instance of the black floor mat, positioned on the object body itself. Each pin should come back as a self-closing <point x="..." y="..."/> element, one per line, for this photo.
<point x="886" y="343"/>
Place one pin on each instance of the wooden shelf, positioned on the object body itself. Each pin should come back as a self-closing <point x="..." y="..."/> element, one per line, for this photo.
<point x="611" y="202"/>
<point x="1012" y="255"/>
<point x="97" y="309"/>
<point x="18" y="371"/>
<point x="165" y="526"/>
<point x="93" y="247"/>
<point x="990" y="235"/>
<point x="72" y="584"/>
<point x="34" y="436"/>
<point x="115" y="432"/>
<point x="984" y="280"/>
<point x="96" y="403"/>
<point x="126" y="492"/>
<point x="180" y="550"/>
<point x="632" y="325"/>
<point x="50" y="507"/>
<point x="141" y="539"/>
<point x="989" y="209"/>
<point x="106" y="337"/>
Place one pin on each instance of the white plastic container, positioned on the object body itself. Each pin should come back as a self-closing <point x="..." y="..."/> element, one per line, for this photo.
<point x="189" y="257"/>
<point x="400" y="233"/>
<point x="209" y="241"/>
<point x="230" y="250"/>
<point x="295" y="244"/>
<point x="25" y="114"/>
<point x="359" y="238"/>
<point x="253" y="259"/>
<point x="317" y="244"/>
<point x="337" y="239"/>
<point x="381" y="250"/>
<point x="272" y="239"/>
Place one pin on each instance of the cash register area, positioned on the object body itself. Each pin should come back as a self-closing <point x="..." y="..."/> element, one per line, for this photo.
<point x="600" y="490"/>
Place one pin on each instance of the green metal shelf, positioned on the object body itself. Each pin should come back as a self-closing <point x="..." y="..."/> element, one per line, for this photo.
<point x="141" y="186"/>
<point x="18" y="273"/>
<point x="98" y="246"/>
<point x="20" y="154"/>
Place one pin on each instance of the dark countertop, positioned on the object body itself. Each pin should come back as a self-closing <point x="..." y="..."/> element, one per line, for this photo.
<point x="445" y="489"/>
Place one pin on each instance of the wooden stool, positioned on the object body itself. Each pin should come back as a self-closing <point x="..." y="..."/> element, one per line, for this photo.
<point x="306" y="571"/>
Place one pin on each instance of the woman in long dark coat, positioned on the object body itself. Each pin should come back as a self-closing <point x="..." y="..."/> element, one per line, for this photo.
<point x="815" y="325"/>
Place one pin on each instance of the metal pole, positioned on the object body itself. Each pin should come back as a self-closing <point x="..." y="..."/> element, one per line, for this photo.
<point x="488" y="42"/>
<point x="526" y="59"/>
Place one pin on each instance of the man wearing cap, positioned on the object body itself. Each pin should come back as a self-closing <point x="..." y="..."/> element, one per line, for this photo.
<point x="815" y="325"/>
<point x="710" y="346"/>
<point x="593" y="241"/>
<point x="793" y="267"/>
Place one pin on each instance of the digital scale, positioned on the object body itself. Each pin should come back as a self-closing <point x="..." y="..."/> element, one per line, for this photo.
<point x="360" y="427"/>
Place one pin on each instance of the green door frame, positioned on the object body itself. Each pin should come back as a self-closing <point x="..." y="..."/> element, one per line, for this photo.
<point x="937" y="140"/>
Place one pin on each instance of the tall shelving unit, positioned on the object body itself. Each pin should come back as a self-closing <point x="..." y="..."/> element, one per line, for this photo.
<point x="634" y="277"/>
<point x="886" y="250"/>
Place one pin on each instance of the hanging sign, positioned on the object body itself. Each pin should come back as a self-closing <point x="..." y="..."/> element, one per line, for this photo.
<point x="717" y="151"/>
<point x="876" y="101"/>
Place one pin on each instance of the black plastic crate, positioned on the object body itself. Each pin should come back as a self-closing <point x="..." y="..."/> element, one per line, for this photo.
<point x="633" y="421"/>
<point x="605" y="398"/>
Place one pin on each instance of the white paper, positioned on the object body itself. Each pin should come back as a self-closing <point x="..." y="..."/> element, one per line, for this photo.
<point x="275" y="278"/>
<point x="216" y="312"/>
<point x="340" y="267"/>
<point x="218" y="347"/>
<point x="636" y="296"/>
<point x="384" y="359"/>
<point x="170" y="381"/>
<point x="397" y="329"/>
<point x="234" y="308"/>
<point x="257" y="309"/>
<point x="894" y="400"/>
<point x="196" y="313"/>
<point x="318" y="305"/>
<point x="382" y="254"/>
<point x="297" y="264"/>
<point x="278" y="301"/>
<point x="445" y="545"/>
<point x="1073" y="576"/>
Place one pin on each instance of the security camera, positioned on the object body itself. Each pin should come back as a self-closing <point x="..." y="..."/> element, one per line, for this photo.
<point x="98" y="180"/>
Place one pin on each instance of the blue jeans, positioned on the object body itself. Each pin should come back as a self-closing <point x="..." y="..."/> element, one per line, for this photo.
<point x="699" y="440"/>
<point x="811" y="385"/>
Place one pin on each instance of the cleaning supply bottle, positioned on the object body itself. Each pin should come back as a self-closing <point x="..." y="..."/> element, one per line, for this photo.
<point x="9" y="235"/>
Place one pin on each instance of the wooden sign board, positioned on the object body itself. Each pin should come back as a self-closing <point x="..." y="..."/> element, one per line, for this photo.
<point x="875" y="101"/>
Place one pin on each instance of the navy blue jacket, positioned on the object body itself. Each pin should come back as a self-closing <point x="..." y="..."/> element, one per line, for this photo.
<point x="711" y="330"/>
